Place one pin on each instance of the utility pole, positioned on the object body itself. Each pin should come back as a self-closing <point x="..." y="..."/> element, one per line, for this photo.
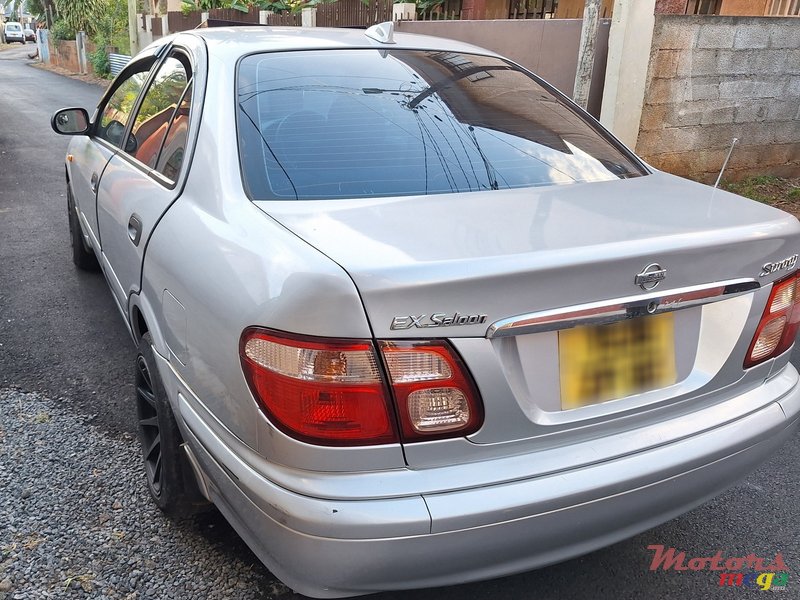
<point x="583" y="77"/>
<point x="133" y="28"/>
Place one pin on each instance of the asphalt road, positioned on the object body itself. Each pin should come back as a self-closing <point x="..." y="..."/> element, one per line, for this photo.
<point x="61" y="336"/>
<point x="57" y="333"/>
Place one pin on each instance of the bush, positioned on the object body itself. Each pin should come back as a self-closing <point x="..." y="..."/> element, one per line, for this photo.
<point x="110" y="33"/>
<point x="99" y="60"/>
<point x="61" y="31"/>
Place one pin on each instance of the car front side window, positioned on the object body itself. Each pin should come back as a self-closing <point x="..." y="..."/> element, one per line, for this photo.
<point x="116" y="113"/>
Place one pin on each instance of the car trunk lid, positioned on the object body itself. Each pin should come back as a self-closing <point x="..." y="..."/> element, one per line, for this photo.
<point x="459" y="266"/>
<point x="505" y="253"/>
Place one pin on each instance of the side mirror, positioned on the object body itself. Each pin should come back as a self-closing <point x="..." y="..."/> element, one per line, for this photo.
<point x="131" y="144"/>
<point x="70" y="121"/>
<point x="113" y="132"/>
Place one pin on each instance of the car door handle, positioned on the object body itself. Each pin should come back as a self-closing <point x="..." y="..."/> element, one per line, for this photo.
<point x="93" y="182"/>
<point x="135" y="229"/>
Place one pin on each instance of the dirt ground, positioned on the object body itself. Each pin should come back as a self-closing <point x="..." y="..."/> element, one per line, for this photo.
<point x="780" y="192"/>
<point x="67" y="73"/>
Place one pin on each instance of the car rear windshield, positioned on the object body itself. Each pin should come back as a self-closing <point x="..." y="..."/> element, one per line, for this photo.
<point x="362" y="123"/>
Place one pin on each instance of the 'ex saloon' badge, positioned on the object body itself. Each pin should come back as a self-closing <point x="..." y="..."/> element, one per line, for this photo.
<point x="436" y="320"/>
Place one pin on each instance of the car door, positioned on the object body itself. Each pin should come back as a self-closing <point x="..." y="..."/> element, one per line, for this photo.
<point x="90" y="154"/>
<point x="140" y="182"/>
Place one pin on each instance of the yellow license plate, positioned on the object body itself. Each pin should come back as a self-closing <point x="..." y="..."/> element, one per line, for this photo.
<point x="606" y="362"/>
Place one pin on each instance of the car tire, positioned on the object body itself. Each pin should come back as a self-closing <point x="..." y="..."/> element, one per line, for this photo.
<point x="170" y="479"/>
<point x="82" y="257"/>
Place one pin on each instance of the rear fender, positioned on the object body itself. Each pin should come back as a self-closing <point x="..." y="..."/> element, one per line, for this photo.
<point x="141" y="305"/>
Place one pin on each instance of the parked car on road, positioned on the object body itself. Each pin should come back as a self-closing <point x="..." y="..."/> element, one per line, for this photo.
<point x="30" y="35"/>
<point x="410" y="317"/>
<point x="14" y="33"/>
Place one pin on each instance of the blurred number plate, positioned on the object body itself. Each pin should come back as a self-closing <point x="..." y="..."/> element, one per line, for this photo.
<point x="607" y="362"/>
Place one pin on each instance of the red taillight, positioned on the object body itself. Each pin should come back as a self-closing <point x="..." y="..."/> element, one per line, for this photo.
<point x="778" y="326"/>
<point x="333" y="392"/>
<point x="434" y="394"/>
<point x="328" y="392"/>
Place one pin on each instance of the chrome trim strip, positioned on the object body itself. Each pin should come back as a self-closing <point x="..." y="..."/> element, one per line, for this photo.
<point x="610" y="311"/>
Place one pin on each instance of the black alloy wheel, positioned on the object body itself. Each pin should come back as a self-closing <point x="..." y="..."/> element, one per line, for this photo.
<point x="149" y="431"/>
<point x="170" y="479"/>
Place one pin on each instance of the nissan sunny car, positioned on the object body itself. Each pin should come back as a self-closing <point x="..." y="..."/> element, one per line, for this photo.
<point x="409" y="317"/>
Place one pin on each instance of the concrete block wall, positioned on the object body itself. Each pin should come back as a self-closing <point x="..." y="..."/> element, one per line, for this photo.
<point x="711" y="79"/>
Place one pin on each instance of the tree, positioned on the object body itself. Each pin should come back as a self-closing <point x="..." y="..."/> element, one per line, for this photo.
<point x="38" y="8"/>
<point x="82" y="15"/>
<point x="14" y="8"/>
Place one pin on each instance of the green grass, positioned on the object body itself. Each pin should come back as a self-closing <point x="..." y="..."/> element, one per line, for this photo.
<point x="753" y="187"/>
<point x="777" y="191"/>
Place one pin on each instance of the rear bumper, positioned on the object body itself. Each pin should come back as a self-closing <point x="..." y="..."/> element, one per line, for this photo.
<point x="334" y="548"/>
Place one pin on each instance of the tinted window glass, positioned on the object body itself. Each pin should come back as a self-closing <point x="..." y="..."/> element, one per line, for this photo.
<point x="157" y="110"/>
<point x="171" y="157"/>
<point x="355" y="123"/>
<point x="115" y="115"/>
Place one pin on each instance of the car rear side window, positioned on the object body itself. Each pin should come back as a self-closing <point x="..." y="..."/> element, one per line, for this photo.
<point x="361" y="123"/>
<point x="159" y="110"/>
<point x="171" y="157"/>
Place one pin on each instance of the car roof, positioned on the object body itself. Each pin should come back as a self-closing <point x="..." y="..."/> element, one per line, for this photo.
<point x="233" y="42"/>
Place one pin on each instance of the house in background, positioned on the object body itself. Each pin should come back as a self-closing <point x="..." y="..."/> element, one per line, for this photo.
<point x="11" y="12"/>
<point x="573" y="9"/>
<point x="503" y="9"/>
<point x="528" y="9"/>
<point x="754" y="8"/>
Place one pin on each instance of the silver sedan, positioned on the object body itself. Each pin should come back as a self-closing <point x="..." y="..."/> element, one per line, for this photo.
<point x="409" y="317"/>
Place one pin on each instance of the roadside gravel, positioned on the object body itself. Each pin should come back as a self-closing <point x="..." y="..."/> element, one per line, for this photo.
<point x="76" y="520"/>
